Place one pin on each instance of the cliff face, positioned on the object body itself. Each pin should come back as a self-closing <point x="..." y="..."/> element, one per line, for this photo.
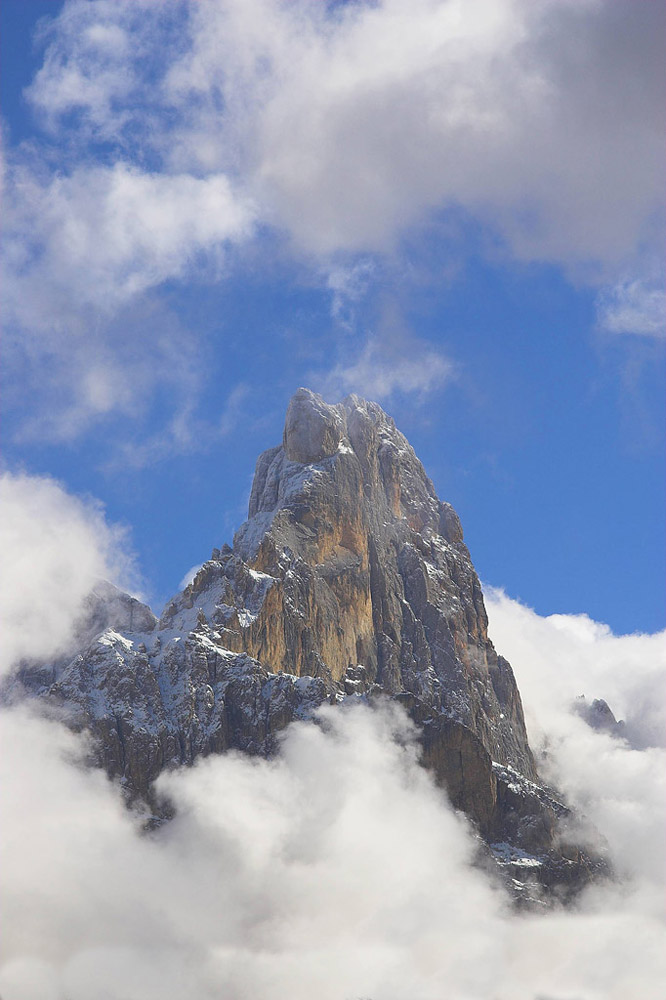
<point x="349" y="579"/>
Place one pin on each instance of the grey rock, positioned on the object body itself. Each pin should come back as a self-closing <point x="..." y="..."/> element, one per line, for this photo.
<point x="599" y="716"/>
<point x="312" y="429"/>
<point x="108" y="607"/>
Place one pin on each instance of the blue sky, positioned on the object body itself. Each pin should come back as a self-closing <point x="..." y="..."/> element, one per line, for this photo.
<point x="453" y="208"/>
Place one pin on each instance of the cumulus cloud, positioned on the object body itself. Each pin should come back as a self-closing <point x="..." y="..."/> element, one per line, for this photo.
<point x="387" y="114"/>
<point x="627" y="671"/>
<point x="85" y="339"/>
<point x="177" y="131"/>
<point x="81" y="253"/>
<point x="85" y="246"/>
<point x="620" y="784"/>
<point x="337" y="868"/>
<point x="105" y="234"/>
<point x="350" y="123"/>
<point x="55" y="547"/>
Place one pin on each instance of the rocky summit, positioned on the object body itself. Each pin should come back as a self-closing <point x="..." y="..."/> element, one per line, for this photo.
<point x="349" y="580"/>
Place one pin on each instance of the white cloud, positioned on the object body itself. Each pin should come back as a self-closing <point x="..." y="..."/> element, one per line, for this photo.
<point x="617" y="784"/>
<point x="337" y="869"/>
<point x="62" y="381"/>
<point x="344" y="127"/>
<point x="633" y="306"/>
<point x="55" y="547"/>
<point x="106" y="234"/>
<point x="95" y="62"/>
<point x="349" y="125"/>
<point x="385" y="367"/>
<point x="189" y="576"/>
<point x="628" y="671"/>
<point x="82" y="255"/>
<point x="348" y="284"/>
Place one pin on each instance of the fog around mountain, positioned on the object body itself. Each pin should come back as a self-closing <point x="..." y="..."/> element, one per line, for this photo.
<point x="338" y="867"/>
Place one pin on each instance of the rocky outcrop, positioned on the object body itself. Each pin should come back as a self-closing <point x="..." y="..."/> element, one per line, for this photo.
<point x="312" y="430"/>
<point x="598" y="715"/>
<point x="350" y="579"/>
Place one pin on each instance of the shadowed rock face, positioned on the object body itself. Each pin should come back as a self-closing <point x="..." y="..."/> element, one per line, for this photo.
<point x="598" y="715"/>
<point x="312" y="430"/>
<point x="349" y="579"/>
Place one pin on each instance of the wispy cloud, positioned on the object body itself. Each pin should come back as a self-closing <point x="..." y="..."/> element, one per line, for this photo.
<point x="633" y="306"/>
<point x="348" y="284"/>
<point x="385" y="367"/>
<point x="63" y="381"/>
<point x="184" y="434"/>
<point x="189" y="576"/>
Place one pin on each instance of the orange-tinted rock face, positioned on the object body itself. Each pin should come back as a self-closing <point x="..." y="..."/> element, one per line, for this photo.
<point x="369" y="568"/>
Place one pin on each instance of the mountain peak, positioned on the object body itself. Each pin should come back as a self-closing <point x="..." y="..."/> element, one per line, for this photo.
<point x="350" y="579"/>
<point x="349" y="449"/>
<point x="312" y="430"/>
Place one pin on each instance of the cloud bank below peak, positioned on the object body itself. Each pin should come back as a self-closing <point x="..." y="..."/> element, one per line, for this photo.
<point x="273" y="879"/>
